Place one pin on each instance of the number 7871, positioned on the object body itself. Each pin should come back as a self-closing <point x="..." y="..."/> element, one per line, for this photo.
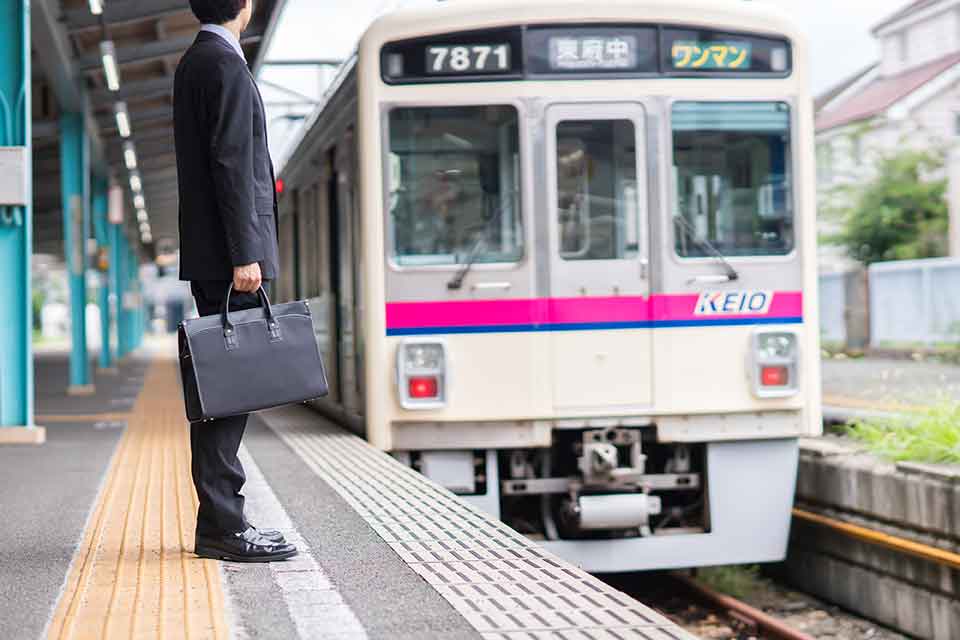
<point x="469" y="58"/>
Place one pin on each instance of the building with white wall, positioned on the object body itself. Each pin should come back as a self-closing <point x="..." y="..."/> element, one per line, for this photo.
<point x="910" y="98"/>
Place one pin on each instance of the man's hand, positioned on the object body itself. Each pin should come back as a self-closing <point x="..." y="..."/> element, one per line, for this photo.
<point x="247" y="278"/>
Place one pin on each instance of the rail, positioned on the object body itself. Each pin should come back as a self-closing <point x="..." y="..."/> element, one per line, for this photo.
<point x="916" y="549"/>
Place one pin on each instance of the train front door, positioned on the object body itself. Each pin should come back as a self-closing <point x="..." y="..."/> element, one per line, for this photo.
<point x="599" y="307"/>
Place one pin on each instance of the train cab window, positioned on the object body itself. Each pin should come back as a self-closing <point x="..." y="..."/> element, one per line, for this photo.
<point x="455" y="185"/>
<point x="597" y="189"/>
<point x="732" y="179"/>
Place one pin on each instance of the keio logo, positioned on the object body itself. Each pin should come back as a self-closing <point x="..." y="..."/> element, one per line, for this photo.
<point x="733" y="303"/>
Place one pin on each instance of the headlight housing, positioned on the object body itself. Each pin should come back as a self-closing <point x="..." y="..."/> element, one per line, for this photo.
<point x="422" y="373"/>
<point x="774" y="363"/>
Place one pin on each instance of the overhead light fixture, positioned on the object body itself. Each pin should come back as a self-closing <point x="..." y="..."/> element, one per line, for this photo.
<point x="146" y="238"/>
<point x="139" y="202"/>
<point x="144" y="227"/>
<point x="142" y="215"/>
<point x="96" y="7"/>
<point x="136" y="185"/>
<point x="129" y="155"/>
<point x="123" y="119"/>
<point x="108" y="53"/>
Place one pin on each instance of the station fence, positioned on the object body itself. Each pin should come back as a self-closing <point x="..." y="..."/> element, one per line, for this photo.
<point x="907" y="302"/>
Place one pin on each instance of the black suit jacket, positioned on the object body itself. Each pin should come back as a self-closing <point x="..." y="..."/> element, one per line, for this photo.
<point x="228" y="201"/>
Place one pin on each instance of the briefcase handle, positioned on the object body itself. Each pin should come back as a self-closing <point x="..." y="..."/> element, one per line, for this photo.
<point x="228" y="331"/>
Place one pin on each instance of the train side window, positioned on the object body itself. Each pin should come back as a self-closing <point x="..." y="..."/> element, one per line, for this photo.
<point x="597" y="189"/>
<point x="732" y="178"/>
<point x="455" y="185"/>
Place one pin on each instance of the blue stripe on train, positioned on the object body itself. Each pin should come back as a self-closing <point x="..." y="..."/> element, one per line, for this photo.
<point x="591" y="326"/>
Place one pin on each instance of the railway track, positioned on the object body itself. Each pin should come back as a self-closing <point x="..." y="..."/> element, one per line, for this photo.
<point x="704" y="611"/>
<point x="896" y="543"/>
<point x="749" y="619"/>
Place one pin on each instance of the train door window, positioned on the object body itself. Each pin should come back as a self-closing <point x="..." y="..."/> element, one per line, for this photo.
<point x="455" y="185"/>
<point x="732" y="178"/>
<point x="597" y="189"/>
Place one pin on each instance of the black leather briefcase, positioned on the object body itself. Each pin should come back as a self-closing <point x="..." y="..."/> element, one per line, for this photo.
<point x="243" y="361"/>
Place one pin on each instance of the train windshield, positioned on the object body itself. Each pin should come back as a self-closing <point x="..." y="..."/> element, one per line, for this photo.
<point x="597" y="189"/>
<point x="732" y="176"/>
<point x="455" y="185"/>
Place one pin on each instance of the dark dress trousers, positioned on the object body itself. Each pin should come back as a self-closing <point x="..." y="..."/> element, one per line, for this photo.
<point x="228" y="218"/>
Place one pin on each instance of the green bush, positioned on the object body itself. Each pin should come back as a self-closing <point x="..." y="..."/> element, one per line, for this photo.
<point x="931" y="434"/>
<point x="899" y="215"/>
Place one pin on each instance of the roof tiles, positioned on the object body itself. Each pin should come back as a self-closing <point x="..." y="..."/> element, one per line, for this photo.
<point x="883" y="92"/>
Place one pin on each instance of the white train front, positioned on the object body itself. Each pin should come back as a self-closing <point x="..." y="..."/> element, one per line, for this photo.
<point x="561" y="257"/>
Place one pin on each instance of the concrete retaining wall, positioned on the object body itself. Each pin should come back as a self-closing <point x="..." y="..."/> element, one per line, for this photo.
<point x="913" y="501"/>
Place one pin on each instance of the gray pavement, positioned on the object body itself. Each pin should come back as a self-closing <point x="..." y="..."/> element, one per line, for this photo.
<point x="389" y="598"/>
<point x="115" y="392"/>
<point x="884" y="383"/>
<point x="46" y="494"/>
<point x="292" y="599"/>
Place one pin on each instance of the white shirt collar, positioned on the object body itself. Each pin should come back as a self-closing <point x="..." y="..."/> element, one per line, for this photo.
<point x="225" y="33"/>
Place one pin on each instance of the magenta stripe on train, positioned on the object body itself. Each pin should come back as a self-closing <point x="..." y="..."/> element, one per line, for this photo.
<point x="587" y="310"/>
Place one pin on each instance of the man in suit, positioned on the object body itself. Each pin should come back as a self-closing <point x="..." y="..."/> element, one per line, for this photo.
<point x="228" y="235"/>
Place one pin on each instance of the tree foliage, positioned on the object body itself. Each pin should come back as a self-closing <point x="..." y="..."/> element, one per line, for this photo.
<point x="900" y="214"/>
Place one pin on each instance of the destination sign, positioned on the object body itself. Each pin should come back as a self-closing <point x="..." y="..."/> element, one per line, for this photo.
<point x="594" y="50"/>
<point x="573" y="52"/>
<point x="566" y="51"/>
<point x="711" y="55"/>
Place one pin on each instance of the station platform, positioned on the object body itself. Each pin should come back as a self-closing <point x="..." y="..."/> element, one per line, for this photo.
<point x="99" y="535"/>
<point x="876" y="387"/>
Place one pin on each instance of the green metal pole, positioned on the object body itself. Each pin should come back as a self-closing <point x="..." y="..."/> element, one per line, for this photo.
<point x="123" y="324"/>
<point x="102" y="232"/>
<point x="137" y="316"/>
<point x="16" y="313"/>
<point x="74" y="196"/>
<point x="113" y="235"/>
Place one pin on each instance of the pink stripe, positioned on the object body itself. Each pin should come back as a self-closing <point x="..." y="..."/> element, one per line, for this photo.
<point x="659" y="308"/>
<point x="785" y="304"/>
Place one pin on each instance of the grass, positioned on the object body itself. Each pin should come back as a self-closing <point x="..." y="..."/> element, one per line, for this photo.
<point x="739" y="581"/>
<point x="931" y="434"/>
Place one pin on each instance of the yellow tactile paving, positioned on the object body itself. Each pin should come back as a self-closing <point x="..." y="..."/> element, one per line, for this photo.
<point x="135" y="575"/>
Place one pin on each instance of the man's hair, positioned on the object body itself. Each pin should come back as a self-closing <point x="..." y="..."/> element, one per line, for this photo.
<point x="217" y="11"/>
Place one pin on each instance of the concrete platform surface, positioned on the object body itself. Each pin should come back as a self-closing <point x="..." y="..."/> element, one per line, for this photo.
<point x="872" y="385"/>
<point x="101" y="537"/>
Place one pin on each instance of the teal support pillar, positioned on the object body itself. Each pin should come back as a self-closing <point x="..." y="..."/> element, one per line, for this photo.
<point x="102" y="232"/>
<point x="137" y="314"/>
<point x="123" y="324"/>
<point x="16" y="313"/>
<point x="113" y="235"/>
<point x="129" y="316"/>
<point x="74" y="196"/>
<point x="116" y="279"/>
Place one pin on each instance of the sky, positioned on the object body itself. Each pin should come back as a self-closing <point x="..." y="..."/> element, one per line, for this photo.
<point x="839" y="33"/>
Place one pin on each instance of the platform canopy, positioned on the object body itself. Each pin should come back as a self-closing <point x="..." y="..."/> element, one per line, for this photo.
<point x="146" y="39"/>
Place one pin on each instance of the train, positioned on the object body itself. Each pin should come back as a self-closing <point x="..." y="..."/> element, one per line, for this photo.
<point x="561" y="258"/>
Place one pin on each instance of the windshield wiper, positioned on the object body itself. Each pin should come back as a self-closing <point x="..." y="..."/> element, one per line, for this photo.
<point x="456" y="282"/>
<point x="705" y="244"/>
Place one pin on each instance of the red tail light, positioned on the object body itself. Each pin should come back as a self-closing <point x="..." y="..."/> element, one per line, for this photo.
<point x="279" y="186"/>
<point x="774" y="376"/>
<point x="423" y="387"/>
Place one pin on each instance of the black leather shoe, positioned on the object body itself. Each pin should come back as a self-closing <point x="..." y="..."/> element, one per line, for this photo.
<point x="246" y="546"/>
<point x="273" y="535"/>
